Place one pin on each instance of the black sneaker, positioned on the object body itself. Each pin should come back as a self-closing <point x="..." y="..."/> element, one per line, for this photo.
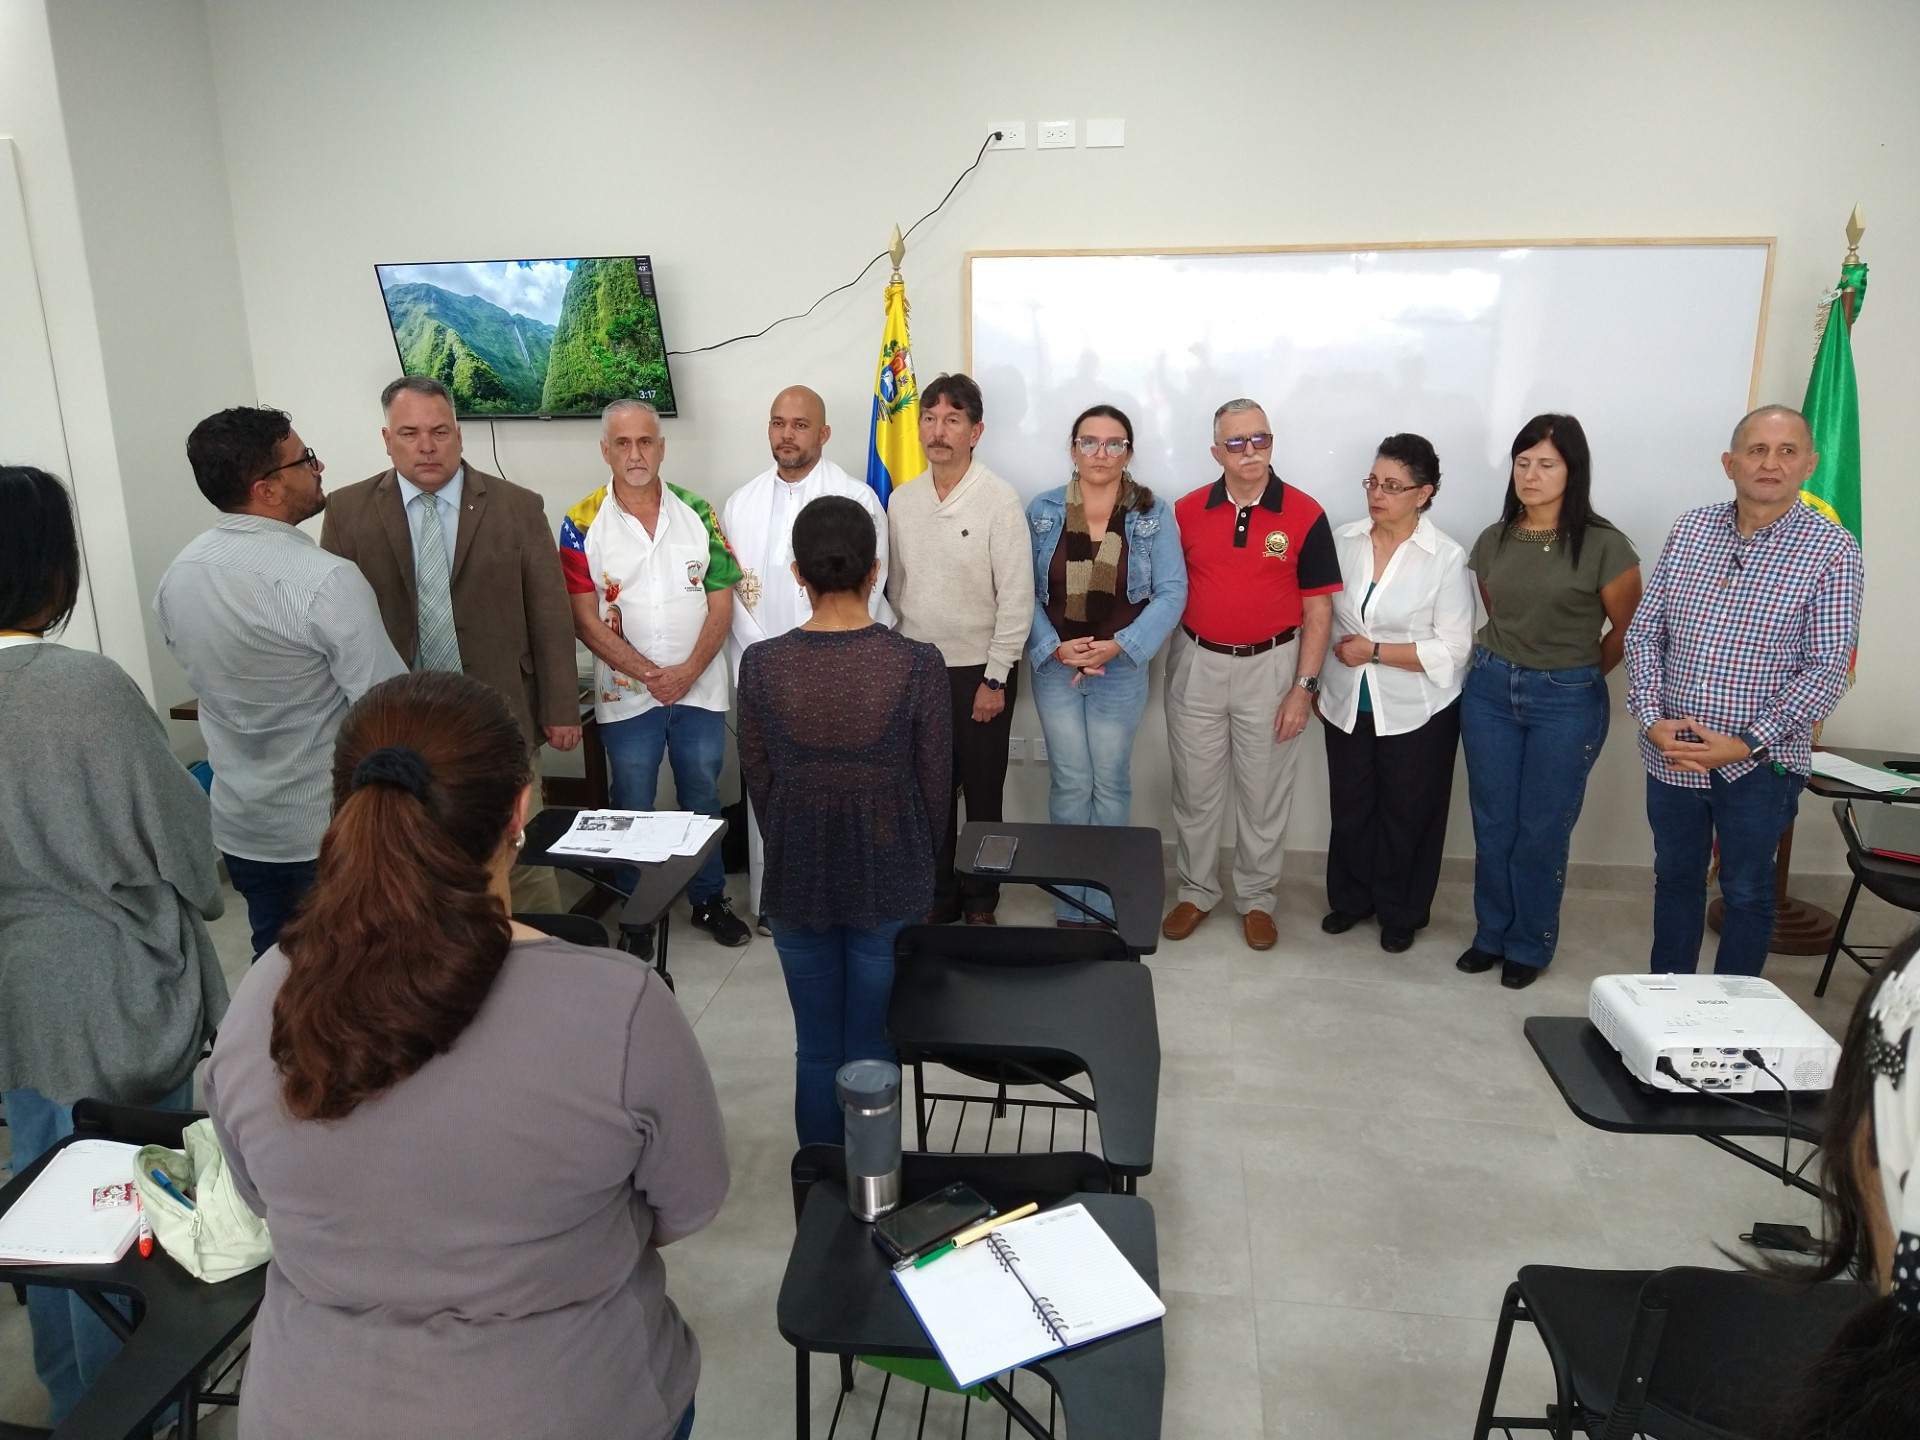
<point x="716" y="917"/>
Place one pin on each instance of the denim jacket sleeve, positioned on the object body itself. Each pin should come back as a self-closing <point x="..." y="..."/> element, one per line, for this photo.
<point x="1046" y="519"/>
<point x="1156" y="536"/>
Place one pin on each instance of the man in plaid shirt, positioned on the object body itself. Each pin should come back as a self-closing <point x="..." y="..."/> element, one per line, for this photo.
<point x="1741" y="645"/>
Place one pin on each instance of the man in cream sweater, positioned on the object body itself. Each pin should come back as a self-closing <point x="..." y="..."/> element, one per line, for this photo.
<point x="961" y="577"/>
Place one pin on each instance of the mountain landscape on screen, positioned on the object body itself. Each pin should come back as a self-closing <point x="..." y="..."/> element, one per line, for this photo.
<point x="532" y="337"/>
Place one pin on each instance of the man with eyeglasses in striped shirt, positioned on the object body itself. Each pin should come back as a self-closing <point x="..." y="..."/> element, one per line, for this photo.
<point x="277" y="638"/>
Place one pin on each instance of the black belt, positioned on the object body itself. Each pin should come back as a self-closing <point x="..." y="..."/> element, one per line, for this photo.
<point x="1242" y="651"/>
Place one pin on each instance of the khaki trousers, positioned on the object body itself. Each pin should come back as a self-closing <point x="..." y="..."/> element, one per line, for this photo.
<point x="1220" y="713"/>
<point x="536" y="888"/>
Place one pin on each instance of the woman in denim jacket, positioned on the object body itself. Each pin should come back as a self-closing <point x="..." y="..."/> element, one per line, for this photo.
<point x="1105" y="598"/>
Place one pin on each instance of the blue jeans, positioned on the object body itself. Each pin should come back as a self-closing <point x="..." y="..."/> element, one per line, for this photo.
<point x="71" y="1345"/>
<point x="273" y="890"/>
<point x="694" y="742"/>
<point x="1089" y="730"/>
<point x="1531" y="738"/>
<point x="685" y="1428"/>
<point x="1748" y="815"/>
<point x="839" y="980"/>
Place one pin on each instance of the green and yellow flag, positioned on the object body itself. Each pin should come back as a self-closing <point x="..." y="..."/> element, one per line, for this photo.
<point x="1832" y="407"/>
<point x="894" y="455"/>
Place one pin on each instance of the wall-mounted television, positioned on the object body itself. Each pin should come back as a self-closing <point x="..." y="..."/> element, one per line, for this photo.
<point x="532" y="339"/>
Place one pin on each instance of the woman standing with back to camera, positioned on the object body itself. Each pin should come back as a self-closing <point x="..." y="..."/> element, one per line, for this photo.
<point x="1560" y="584"/>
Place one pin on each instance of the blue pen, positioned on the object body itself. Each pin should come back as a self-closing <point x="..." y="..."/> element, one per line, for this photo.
<point x="161" y="1179"/>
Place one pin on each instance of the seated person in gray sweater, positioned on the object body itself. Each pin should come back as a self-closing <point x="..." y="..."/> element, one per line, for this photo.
<point x="469" y="1140"/>
<point x="109" y="984"/>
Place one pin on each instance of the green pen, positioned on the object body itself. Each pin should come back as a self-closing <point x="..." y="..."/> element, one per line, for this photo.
<point x="932" y="1255"/>
<point x="985" y="1227"/>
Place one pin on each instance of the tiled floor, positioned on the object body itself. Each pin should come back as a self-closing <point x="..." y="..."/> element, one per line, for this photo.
<point x="1356" y="1151"/>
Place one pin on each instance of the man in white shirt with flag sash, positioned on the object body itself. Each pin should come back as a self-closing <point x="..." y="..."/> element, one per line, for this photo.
<point x="651" y="581"/>
<point x="758" y="520"/>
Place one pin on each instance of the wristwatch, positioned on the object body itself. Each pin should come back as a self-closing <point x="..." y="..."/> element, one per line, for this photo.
<point x="1309" y="683"/>
<point x="1755" y="750"/>
<point x="994" y="684"/>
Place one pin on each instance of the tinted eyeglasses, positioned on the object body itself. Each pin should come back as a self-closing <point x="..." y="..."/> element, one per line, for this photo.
<point x="1239" y="444"/>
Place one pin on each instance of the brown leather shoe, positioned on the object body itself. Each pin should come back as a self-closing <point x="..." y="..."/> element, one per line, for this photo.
<point x="1183" y="920"/>
<point x="1258" y="926"/>
<point x="981" y="917"/>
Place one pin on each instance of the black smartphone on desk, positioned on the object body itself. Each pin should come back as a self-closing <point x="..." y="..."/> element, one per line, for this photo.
<point x="995" y="855"/>
<point x="914" y="1229"/>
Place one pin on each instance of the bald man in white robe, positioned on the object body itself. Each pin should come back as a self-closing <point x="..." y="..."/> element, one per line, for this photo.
<point x="758" y="521"/>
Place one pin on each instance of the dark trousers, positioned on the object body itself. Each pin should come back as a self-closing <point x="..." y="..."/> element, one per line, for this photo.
<point x="979" y="773"/>
<point x="273" y="890"/>
<point x="1747" y="816"/>
<point x="1389" y="795"/>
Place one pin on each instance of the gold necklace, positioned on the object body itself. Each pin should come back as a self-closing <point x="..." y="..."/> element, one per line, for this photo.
<point x="1543" y="538"/>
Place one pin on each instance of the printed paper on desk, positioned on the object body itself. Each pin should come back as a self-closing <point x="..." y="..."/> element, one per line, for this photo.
<point x="1861" y="777"/>
<point x="56" y="1222"/>
<point x="635" y="837"/>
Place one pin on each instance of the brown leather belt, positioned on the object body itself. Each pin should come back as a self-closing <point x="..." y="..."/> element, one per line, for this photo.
<point x="1242" y="651"/>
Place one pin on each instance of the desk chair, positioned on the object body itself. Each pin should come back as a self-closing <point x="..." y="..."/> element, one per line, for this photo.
<point x="1895" y="881"/>
<point x="1012" y="946"/>
<point x="1679" y="1354"/>
<point x="1005" y="1181"/>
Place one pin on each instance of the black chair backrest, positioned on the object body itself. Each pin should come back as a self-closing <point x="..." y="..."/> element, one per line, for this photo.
<point x="133" y="1124"/>
<point x="1005" y="1179"/>
<point x="574" y="929"/>
<point x="1736" y="1345"/>
<point x="1009" y="944"/>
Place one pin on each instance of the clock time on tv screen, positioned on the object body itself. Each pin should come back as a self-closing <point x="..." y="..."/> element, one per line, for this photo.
<point x="532" y="338"/>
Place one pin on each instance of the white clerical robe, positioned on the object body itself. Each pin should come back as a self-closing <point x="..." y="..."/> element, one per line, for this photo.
<point x="758" y="521"/>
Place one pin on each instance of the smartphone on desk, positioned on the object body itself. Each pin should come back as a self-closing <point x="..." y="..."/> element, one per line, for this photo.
<point x="995" y="855"/>
<point x="914" y="1229"/>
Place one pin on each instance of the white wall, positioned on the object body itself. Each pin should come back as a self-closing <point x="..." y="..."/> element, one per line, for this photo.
<point x="76" y="442"/>
<point x="136" y="90"/>
<point x="760" y="152"/>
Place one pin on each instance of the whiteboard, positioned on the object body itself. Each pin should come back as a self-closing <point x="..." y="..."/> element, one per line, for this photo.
<point x="1654" y="345"/>
<point x="32" y="431"/>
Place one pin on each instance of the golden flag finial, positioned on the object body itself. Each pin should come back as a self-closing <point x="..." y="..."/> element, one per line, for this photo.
<point x="897" y="248"/>
<point x="1856" y="227"/>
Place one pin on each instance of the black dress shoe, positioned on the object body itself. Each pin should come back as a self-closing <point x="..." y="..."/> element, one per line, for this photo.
<point x="1518" y="977"/>
<point x="1393" y="941"/>
<point x="1338" y="922"/>
<point x="1476" y="962"/>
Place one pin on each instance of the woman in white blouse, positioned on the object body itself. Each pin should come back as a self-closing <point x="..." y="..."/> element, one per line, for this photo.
<point x="1390" y="697"/>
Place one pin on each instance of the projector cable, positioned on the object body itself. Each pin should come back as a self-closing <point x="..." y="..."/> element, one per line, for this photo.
<point x="1664" y="1066"/>
<point x="735" y="339"/>
<point x="1752" y="1057"/>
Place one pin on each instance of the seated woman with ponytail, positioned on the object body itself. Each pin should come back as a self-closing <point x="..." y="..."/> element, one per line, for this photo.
<point x="469" y="1140"/>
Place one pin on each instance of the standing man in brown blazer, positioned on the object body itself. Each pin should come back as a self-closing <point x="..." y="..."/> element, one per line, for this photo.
<point x="467" y="576"/>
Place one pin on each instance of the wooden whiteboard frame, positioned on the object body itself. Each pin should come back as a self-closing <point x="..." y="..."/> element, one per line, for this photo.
<point x="1616" y="242"/>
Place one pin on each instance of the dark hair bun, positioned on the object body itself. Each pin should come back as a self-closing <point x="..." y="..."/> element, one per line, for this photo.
<point x="834" y="544"/>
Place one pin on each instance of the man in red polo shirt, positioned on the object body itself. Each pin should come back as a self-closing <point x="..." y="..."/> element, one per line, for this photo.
<point x="1244" y="668"/>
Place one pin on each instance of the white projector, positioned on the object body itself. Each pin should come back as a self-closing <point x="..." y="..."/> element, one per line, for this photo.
<point x="1703" y="1024"/>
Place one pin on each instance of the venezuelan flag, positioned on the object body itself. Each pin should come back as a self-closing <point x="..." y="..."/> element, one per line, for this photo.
<point x="894" y="455"/>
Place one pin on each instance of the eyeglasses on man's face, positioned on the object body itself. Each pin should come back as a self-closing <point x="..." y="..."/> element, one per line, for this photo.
<point x="1091" y="445"/>
<point x="1386" y="487"/>
<point x="1240" y="444"/>
<point x="307" y="458"/>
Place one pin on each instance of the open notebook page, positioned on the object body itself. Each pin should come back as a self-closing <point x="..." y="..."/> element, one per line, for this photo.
<point x="977" y="1314"/>
<point x="1069" y="1262"/>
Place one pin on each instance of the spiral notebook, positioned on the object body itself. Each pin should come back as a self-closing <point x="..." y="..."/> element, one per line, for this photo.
<point x="79" y="1210"/>
<point x="1037" y="1286"/>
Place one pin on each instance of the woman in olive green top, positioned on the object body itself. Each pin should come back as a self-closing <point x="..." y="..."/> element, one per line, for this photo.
<point x="1560" y="585"/>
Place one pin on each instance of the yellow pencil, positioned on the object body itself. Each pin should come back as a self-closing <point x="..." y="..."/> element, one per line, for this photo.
<point x="987" y="1227"/>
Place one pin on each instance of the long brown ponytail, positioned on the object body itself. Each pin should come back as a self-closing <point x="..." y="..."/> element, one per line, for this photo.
<point x="395" y="948"/>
